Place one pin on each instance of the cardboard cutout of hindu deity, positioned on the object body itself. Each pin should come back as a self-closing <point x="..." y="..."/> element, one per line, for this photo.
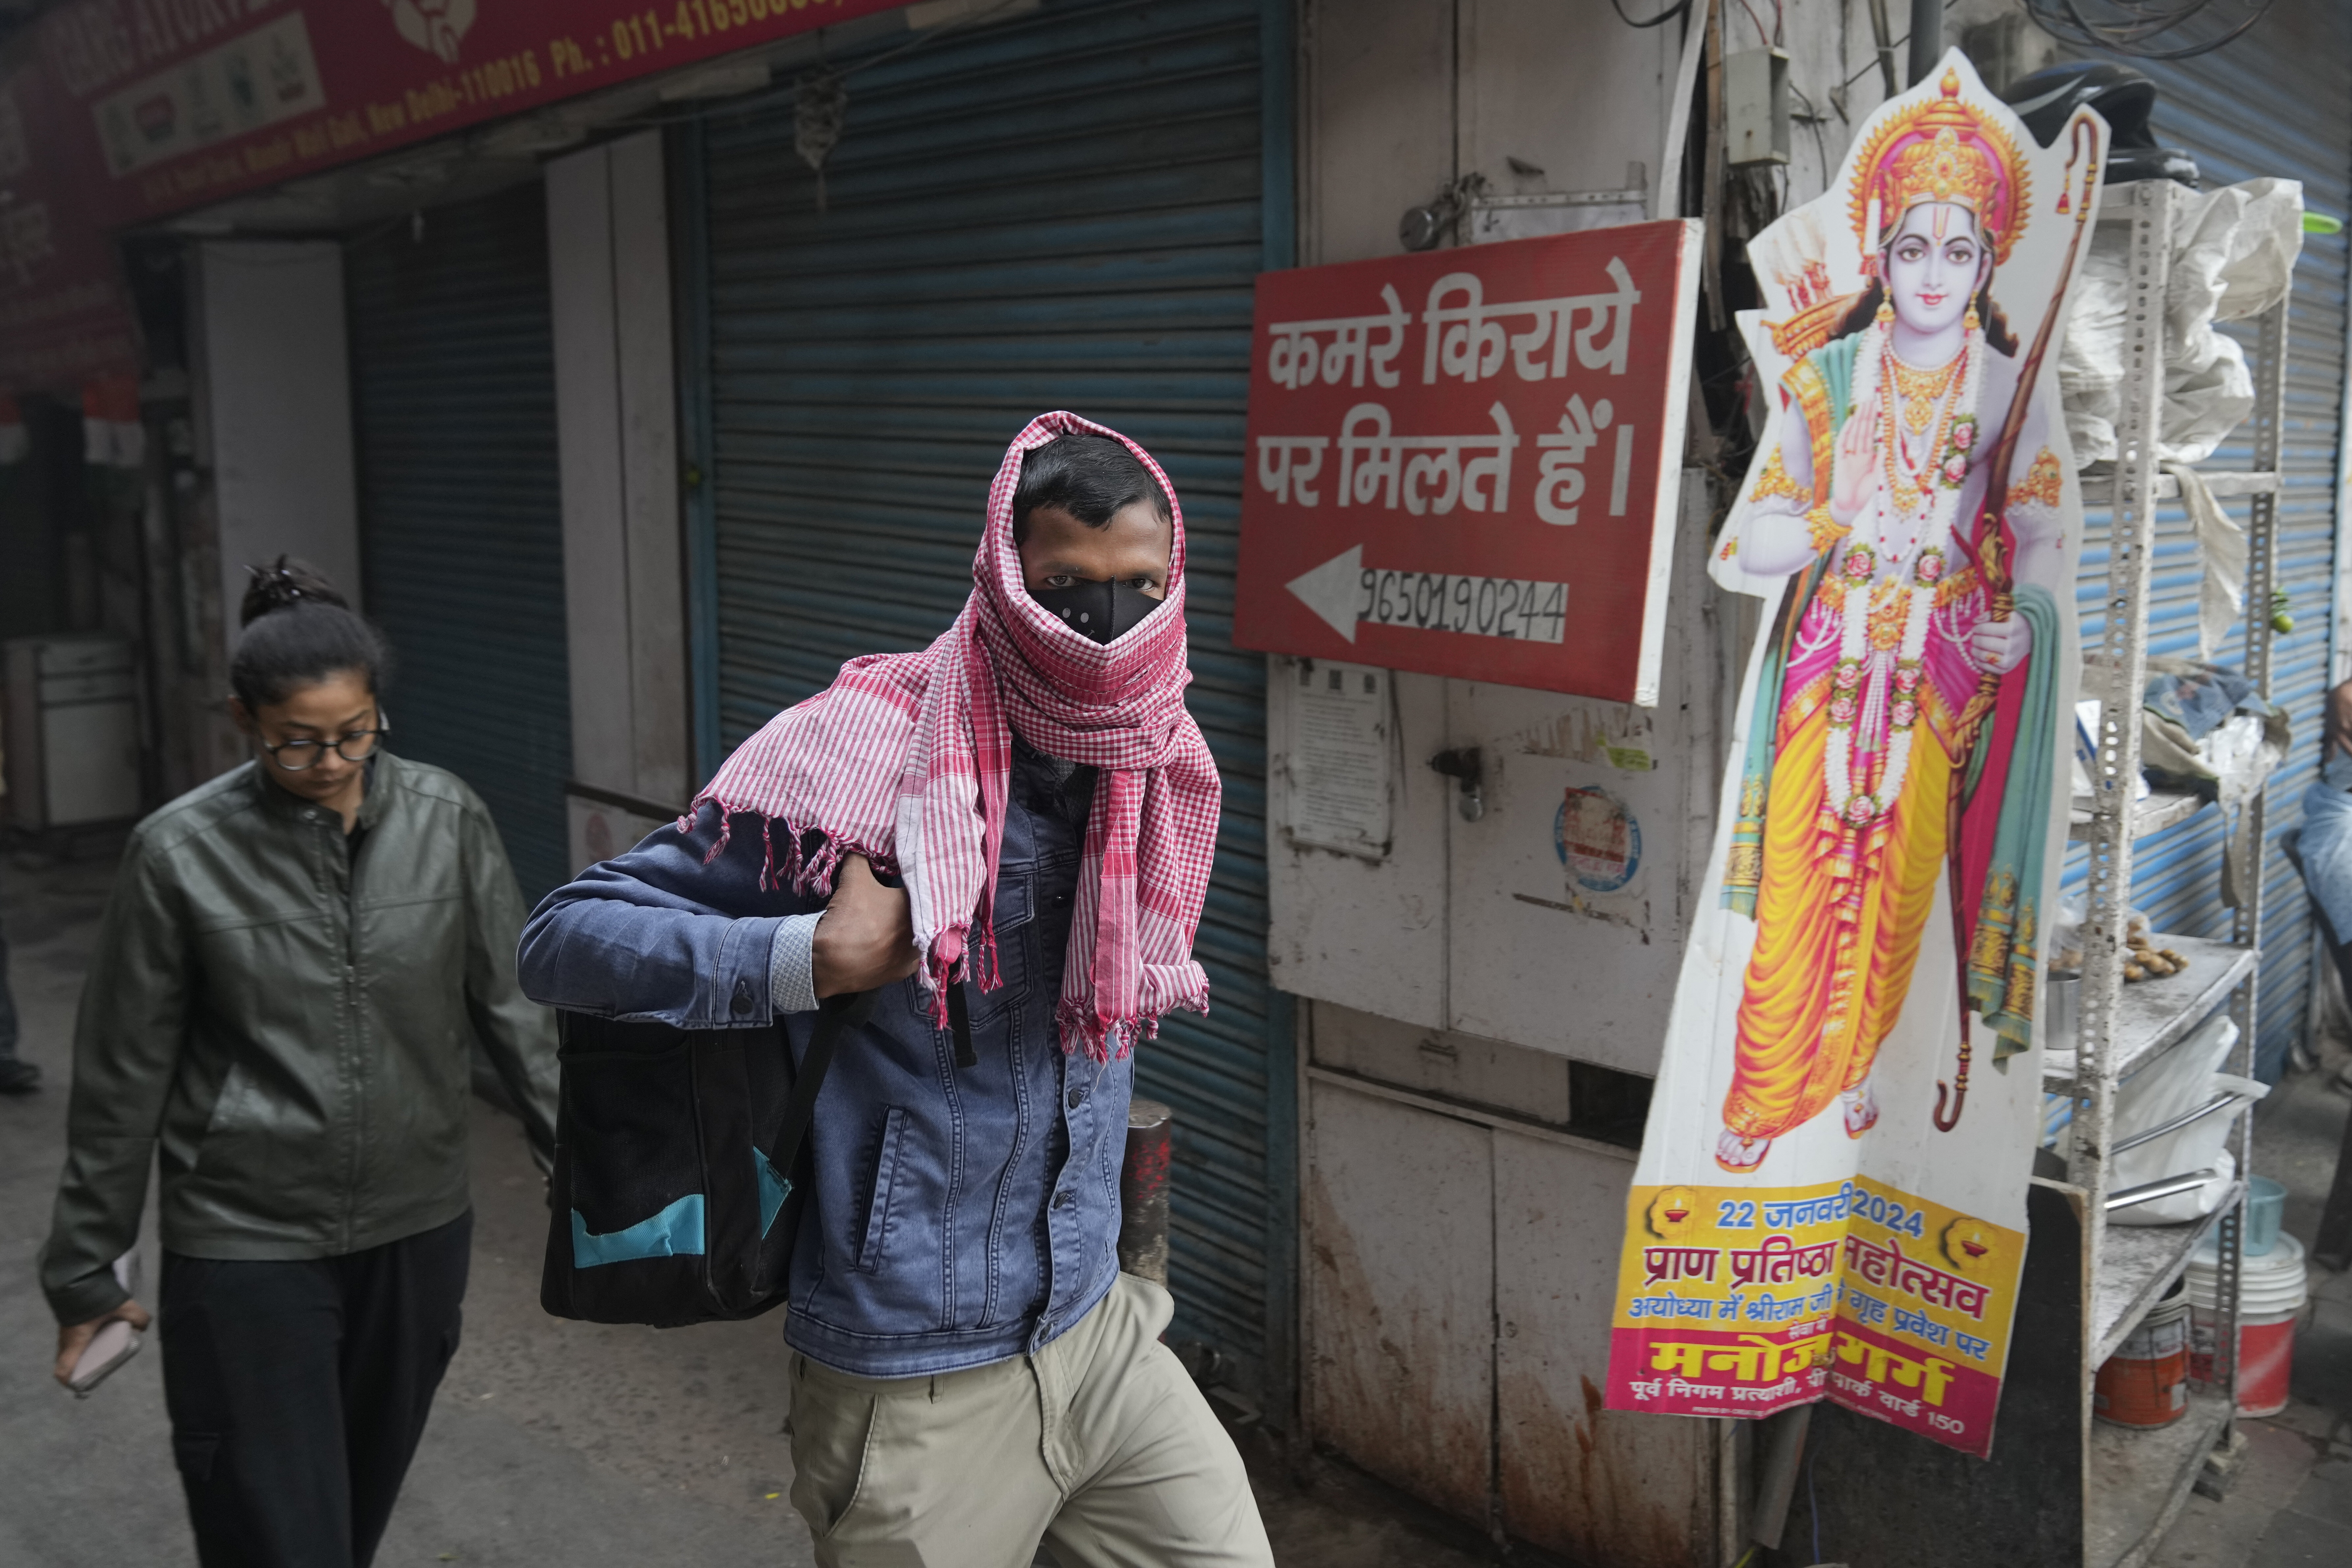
<point x="1828" y="1205"/>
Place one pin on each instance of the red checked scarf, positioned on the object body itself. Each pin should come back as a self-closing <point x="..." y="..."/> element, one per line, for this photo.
<point x="906" y="758"/>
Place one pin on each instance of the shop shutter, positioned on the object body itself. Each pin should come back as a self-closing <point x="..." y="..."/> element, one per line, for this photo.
<point x="461" y="526"/>
<point x="2227" y="109"/>
<point x="1060" y="210"/>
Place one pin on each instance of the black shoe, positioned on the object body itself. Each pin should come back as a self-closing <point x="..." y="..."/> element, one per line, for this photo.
<point x="19" y="1078"/>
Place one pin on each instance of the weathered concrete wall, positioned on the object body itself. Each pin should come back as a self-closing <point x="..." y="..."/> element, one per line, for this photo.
<point x="1463" y="1224"/>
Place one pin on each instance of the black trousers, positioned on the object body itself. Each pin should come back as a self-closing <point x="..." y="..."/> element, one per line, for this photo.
<point x="298" y="1393"/>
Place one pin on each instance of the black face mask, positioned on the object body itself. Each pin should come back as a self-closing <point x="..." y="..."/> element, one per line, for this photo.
<point x="1099" y="610"/>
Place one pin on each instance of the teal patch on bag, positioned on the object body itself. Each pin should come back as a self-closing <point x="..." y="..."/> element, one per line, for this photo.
<point x="675" y="1232"/>
<point x="774" y="1190"/>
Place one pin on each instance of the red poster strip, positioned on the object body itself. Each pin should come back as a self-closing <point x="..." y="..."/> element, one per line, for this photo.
<point x="173" y="106"/>
<point x="132" y="111"/>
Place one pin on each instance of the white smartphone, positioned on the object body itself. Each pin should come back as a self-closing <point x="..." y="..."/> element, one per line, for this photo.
<point x="112" y="1345"/>
<point x="108" y="1348"/>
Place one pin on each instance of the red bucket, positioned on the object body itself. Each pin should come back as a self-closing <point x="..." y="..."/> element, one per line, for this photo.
<point x="2271" y="1300"/>
<point x="2265" y="1355"/>
<point x="2146" y="1381"/>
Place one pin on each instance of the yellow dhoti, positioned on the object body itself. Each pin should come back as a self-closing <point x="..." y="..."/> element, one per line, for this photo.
<point x="1839" y="918"/>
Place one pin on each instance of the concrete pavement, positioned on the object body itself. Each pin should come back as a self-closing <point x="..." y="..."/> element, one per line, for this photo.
<point x="584" y="1445"/>
<point x="551" y="1442"/>
<point x="2290" y="1505"/>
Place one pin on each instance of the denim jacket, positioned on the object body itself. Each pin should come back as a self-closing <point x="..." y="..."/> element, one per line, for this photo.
<point x="959" y="1216"/>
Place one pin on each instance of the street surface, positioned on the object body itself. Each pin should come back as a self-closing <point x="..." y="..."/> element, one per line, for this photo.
<point x="551" y="1442"/>
<point x="585" y="1444"/>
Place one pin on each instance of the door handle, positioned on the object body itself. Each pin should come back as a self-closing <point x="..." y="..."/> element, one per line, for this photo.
<point x="1466" y="766"/>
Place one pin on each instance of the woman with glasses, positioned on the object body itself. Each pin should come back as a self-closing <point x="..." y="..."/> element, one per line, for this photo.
<point x="295" y="960"/>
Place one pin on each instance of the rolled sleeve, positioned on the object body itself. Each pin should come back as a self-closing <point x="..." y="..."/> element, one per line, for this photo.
<point x="792" y="964"/>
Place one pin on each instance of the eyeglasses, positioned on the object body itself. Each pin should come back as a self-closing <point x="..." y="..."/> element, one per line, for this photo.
<point x="351" y="745"/>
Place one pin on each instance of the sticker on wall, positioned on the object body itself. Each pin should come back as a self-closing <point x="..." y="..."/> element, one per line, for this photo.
<point x="1596" y="840"/>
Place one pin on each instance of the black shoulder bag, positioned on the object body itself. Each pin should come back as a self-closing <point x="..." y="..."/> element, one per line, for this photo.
<point x="680" y="1173"/>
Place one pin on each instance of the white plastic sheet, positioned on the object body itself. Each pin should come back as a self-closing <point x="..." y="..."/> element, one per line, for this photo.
<point x="2233" y="256"/>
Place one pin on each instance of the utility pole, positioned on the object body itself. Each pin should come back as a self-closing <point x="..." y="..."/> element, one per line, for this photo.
<point x="1927" y="38"/>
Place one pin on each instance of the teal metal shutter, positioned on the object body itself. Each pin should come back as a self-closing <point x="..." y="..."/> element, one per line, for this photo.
<point x="2225" y="109"/>
<point x="1062" y="210"/>
<point x="461" y="525"/>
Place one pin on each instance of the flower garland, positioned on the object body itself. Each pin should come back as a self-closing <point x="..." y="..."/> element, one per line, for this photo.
<point x="1862" y="690"/>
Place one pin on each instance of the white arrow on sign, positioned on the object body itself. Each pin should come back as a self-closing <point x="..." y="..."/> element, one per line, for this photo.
<point x="1334" y="590"/>
<point x="1341" y="593"/>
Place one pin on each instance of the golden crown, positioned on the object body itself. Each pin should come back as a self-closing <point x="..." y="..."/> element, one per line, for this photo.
<point x="1944" y="170"/>
<point x="1943" y="149"/>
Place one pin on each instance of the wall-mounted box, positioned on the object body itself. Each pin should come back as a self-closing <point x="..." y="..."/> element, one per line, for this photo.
<point x="1756" y="108"/>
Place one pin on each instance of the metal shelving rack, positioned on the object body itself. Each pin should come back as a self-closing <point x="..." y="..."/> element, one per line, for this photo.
<point x="2135" y="1482"/>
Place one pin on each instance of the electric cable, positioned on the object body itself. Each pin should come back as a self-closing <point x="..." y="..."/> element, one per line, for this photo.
<point x="1660" y="20"/>
<point x="1899" y="44"/>
<point x="2130" y="27"/>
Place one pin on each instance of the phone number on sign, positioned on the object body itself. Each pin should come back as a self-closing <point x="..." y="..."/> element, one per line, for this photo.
<point x="1516" y="607"/>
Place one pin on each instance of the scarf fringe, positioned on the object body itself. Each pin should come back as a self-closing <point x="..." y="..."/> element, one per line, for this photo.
<point x="938" y="973"/>
<point x="809" y="872"/>
<point x="1100" y="1038"/>
<point x="977" y="954"/>
<point x="984" y="952"/>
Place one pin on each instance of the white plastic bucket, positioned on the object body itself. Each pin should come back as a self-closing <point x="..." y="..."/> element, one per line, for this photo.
<point x="2271" y="1293"/>
<point x="2268" y="1284"/>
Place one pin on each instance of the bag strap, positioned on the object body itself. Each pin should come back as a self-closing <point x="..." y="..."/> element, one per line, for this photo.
<point x="959" y="1023"/>
<point x="834" y="1014"/>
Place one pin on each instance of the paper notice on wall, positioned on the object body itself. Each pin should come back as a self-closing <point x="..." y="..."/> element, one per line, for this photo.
<point x="1340" y="758"/>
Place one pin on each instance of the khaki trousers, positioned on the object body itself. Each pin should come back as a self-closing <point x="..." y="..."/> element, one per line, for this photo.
<point x="1098" y="1445"/>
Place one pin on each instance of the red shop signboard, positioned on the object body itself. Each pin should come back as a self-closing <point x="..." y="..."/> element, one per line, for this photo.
<point x="170" y="104"/>
<point x="1466" y="462"/>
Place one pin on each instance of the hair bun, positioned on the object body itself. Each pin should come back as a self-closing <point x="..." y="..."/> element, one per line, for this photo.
<point x="284" y="584"/>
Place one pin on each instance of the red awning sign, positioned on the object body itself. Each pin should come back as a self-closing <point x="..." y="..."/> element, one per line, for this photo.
<point x="1466" y="462"/>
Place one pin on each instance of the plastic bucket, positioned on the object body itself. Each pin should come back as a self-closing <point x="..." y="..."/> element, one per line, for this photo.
<point x="2265" y="1357"/>
<point x="2268" y="1283"/>
<point x="2146" y="1381"/>
<point x="2265" y="1202"/>
<point x="2271" y="1297"/>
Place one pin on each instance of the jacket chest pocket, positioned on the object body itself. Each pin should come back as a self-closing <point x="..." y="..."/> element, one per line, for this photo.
<point x="1015" y="939"/>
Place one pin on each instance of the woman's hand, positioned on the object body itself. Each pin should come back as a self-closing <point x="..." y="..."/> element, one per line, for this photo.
<point x="868" y="935"/>
<point x="2001" y="646"/>
<point x="74" y="1338"/>
<point x="1853" y="474"/>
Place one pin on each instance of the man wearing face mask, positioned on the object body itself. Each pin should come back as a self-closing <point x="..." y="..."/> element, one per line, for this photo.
<point x="971" y="1373"/>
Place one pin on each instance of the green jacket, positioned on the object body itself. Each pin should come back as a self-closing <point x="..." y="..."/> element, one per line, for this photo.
<point x="289" y="1023"/>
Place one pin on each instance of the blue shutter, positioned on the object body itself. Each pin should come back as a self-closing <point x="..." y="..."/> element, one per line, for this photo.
<point x="1065" y="209"/>
<point x="2225" y="109"/>
<point x="461" y="525"/>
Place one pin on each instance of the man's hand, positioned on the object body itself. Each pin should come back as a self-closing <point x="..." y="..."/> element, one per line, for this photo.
<point x="866" y="937"/>
<point x="74" y="1338"/>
